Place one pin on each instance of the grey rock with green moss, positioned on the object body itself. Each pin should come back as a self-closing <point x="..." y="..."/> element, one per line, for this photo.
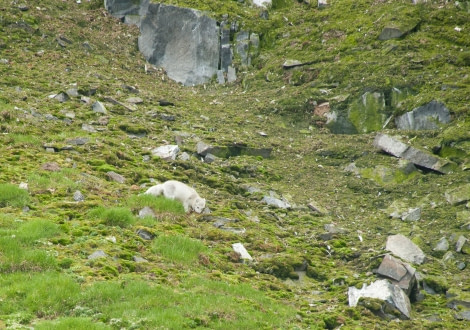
<point x="420" y="158"/>
<point x="425" y="117"/>
<point x="116" y="177"/>
<point x="458" y="195"/>
<point x="404" y="248"/>
<point x="129" y="11"/>
<point x="97" y="255"/>
<point x="183" y="41"/>
<point x="395" y="298"/>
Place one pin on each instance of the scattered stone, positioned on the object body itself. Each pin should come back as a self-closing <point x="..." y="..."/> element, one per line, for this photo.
<point x="458" y="195"/>
<point x="165" y="103"/>
<point x="146" y="212"/>
<point x="461" y="265"/>
<point x="322" y="3"/>
<point x="166" y="152"/>
<point x="463" y="316"/>
<point x="394" y="298"/>
<point x="460" y="243"/>
<point x="220" y="77"/>
<point x="78" y="141"/>
<point x="288" y="64"/>
<point x="52" y="167"/>
<point x="231" y="75"/>
<point x="413" y="214"/>
<point x="404" y="248"/>
<point x="167" y="117"/>
<point x="276" y="202"/>
<point x="209" y="158"/>
<point x="203" y="148"/>
<point x="78" y="196"/>
<point x="145" y="234"/>
<point x="85" y="99"/>
<point x="391" y="33"/>
<point x="424" y="117"/>
<point x="135" y="100"/>
<point x="103" y="120"/>
<point x="131" y="89"/>
<point x="442" y="245"/>
<point x="333" y="229"/>
<point x="184" y="157"/>
<point x="23" y="185"/>
<point x="139" y="259"/>
<point x="97" y="254"/>
<point x="418" y="157"/>
<point x="399" y="273"/>
<point x="72" y="92"/>
<point x="240" y="249"/>
<point x="98" y="107"/>
<point x="317" y="208"/>
<point x="88" y="128"/>
<point x="62" y="97"/>
<point x="116" y="177"/>
<point x="262" y="3"/>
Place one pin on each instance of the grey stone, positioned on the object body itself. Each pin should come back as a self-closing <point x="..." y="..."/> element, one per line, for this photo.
<point x="203" y="148"/>
<point x="291" y="64"/>
<point x="442" y="245"/>
<point x="72" y="92"/>
<point x="262" y="3"/>
<point x="99" y="107"/>
<point x="413" y="214"/>
<point x="62" y="97"/>
<point x="231" y="74"/>
<point x="146" y="212"/>
<point x="460" y="243"/>
<point x="463" y="316"/>
<point x="276" y="202"/>
<point x="424" y="117"/>
<point x="88" y="128"/>
<point x="226" y="57"/>
<point x="461" y="265"/>
<point x="135" y="100"/>
<point x="391" y="33"/>
<point x="116" y="177"/>
<point x="78" y="141"/>
<point x="184" y="156"/>
<point x="240" y="249"/>
<point x="322" y="3"/>
<point x="97" y="254"/>
<point x="220" y="77"/>
<point x="183" y="41"/>
<point x="417" y="157"/>
<point x="404" y="248"/>
<point x="398" y="273"/>
<point x="458" y="195"/>
<point x="333" y="229"/>
<point x="210" y="158"/>
<point x="139" y="259"/>
<point x="145" y="234"/>
<point x="391" y="294"/>
<point x="78" y="196"/>
<point x="167" y="152"/>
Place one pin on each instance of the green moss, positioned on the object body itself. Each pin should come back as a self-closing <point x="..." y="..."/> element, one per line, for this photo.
<point x="12" y="195"/>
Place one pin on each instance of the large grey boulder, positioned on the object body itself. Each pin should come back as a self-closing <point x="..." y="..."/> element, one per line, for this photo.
<point x="183" y="41"/>
<point x="424" y="117"/>
<point x="418" y="157"/>
<point x="395" y="300"/>
<point x="398" y="273"/>
<point x="404" y="248"/>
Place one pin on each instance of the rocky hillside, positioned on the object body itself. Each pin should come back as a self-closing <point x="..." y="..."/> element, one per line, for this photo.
<point x="335" y="169"/>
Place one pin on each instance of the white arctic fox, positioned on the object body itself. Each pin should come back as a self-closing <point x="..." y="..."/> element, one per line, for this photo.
<point x="181" y="192"/>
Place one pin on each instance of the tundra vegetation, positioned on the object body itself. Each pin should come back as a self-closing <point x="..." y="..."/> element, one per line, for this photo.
<point x="60" y="203"/>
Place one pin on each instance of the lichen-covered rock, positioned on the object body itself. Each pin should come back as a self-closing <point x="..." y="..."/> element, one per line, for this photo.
<point x="424" y="117"/>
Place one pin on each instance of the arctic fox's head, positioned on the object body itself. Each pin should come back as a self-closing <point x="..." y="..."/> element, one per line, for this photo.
<point x="199" y="205"/>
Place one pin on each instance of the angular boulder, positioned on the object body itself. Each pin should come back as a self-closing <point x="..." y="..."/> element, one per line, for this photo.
<point x="398" y="272"/>
<point x="418" y="157"/>
<point x="404" y="248"/>
<point x="183" y="41"/>
<point x="395" y="300"/>
<point x="424" y="117"/>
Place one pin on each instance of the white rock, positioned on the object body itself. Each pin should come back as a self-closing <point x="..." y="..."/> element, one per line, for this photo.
<point x="166" y="152"/>
<point x="240" y="249"/>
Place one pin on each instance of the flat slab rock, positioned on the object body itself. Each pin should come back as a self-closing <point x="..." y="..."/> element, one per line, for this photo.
<point x="418" y="157"/>
<point x="405" y="249"/>
<point x="390" y="293"/>
<point x="398" y="272"/>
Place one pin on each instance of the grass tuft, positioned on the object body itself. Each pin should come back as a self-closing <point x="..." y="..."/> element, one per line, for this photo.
<point x="178" y="248"/>
<point x="116" y="216"/>
<point x="12" y="195"/>
<point x="159" y="204"/>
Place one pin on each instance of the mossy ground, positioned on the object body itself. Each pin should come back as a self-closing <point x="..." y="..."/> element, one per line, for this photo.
<point x="307" y="164"/>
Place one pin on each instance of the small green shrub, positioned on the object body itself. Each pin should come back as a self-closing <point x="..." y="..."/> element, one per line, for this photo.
<point x="178" y="248"/>
<point x="12" y="195"/>
<point x="116" y="216"/>
<point x="16" y="258"/>
<point x="156" y="203"/>
<point x="33" y="230"/>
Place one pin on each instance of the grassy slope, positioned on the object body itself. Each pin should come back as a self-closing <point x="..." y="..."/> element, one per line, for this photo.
<point x="209" y="288"/>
